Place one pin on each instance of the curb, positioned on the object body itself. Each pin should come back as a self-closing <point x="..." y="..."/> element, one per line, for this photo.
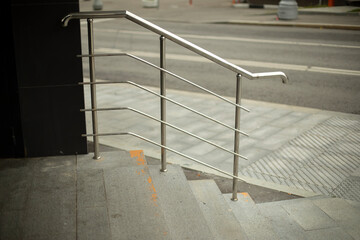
<point x="304" y="12"/>
<point x="292" y="24"/>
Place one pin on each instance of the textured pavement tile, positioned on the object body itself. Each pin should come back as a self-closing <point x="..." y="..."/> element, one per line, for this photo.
<point x="350" y="148"/>
<point x="313" y="141"/>
<point x="253" y="154"/>
<point x="353" y="124"/>
<point x="348" y="189"/>
<point x="319" y="176"/>
<point x="296" y="153"/>
<point x="353" y="137"/>
<point x="330" y="131"/>
<point x="342" y="164"/>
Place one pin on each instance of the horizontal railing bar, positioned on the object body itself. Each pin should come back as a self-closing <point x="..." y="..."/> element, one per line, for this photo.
<point x="168" y="124"/>
<point x="167" y="148"/>
<point x="176" y="39"/>
<point x="168" y="72"/>
<point x="172" y="101"/>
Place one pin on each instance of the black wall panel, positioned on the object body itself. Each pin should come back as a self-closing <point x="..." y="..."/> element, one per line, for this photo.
<point x="43" y="80"/>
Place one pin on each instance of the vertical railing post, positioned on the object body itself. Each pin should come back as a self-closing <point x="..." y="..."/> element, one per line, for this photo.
<point x="93" y="87"/>
<point x="163" y="102"/>
<point x="237" y="136"/>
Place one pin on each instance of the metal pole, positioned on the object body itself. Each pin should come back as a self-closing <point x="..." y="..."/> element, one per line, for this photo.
<point x="163" y="102"/>
<point x="237" y="135"/>
<point x="93" y="87"/>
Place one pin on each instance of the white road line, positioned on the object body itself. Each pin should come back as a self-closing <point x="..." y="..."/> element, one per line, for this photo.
<point x="238" y="39"/>
<point x="239" y="62"/>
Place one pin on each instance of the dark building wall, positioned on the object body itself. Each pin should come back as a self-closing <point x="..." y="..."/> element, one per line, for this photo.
<point x="43" y="80"/>
<point x="10" y="123"/>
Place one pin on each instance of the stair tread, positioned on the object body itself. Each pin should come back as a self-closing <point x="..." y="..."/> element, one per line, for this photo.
<point x="134" y="212"/>
<point x="320" y="213"/>
<point x="255" y="225"/>
<point x="182" y="213"/>
<point x="283" y="224"/>
<point x="217" y="212"/>
<point x="112" y="159"/>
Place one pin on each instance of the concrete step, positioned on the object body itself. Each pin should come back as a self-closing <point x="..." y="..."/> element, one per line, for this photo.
<point x="181" y="211"/>
<point x="116" y="200"/>
<point x="108" y="160"/>
<point x="319" y="217"/>
<point x="255" y="225"/>
<point x="217" y="212"/>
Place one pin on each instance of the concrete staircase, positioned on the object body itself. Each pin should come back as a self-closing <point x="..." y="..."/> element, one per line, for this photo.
<point x="123" y="197"/>
<point x="144" y="203"/>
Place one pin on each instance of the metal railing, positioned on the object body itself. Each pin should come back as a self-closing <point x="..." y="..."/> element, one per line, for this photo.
<point x="240" y="73"/>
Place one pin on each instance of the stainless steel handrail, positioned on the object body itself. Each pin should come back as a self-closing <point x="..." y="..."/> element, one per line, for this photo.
<point x="166" y="71"/>
<point x="167" y="148"/>
<point x="167" y="124"/>
<point x="164" y="34"/>
<point x="172" y="101"/>
<point x="182" y="42"/>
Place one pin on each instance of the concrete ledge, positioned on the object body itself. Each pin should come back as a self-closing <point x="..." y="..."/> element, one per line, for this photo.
<point x="292" y="24"/>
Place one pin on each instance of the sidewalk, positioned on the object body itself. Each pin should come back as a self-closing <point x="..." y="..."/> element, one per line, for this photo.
<point x="298" y="150"/>
<point x="222" y="11"/>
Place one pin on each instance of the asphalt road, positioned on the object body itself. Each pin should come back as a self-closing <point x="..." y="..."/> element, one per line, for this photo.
<point x="322" y="64"/>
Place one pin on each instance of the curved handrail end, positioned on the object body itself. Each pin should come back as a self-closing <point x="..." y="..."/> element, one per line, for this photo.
<point x="65" y="20"/>
<point x="285" y="79"/>
<point x="94" y="14"/>
<point x="282" y="75"/>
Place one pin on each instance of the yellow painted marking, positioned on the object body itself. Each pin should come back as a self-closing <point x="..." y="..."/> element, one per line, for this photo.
<point x="246" y="195"/>
<point x="140" y="160"/>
